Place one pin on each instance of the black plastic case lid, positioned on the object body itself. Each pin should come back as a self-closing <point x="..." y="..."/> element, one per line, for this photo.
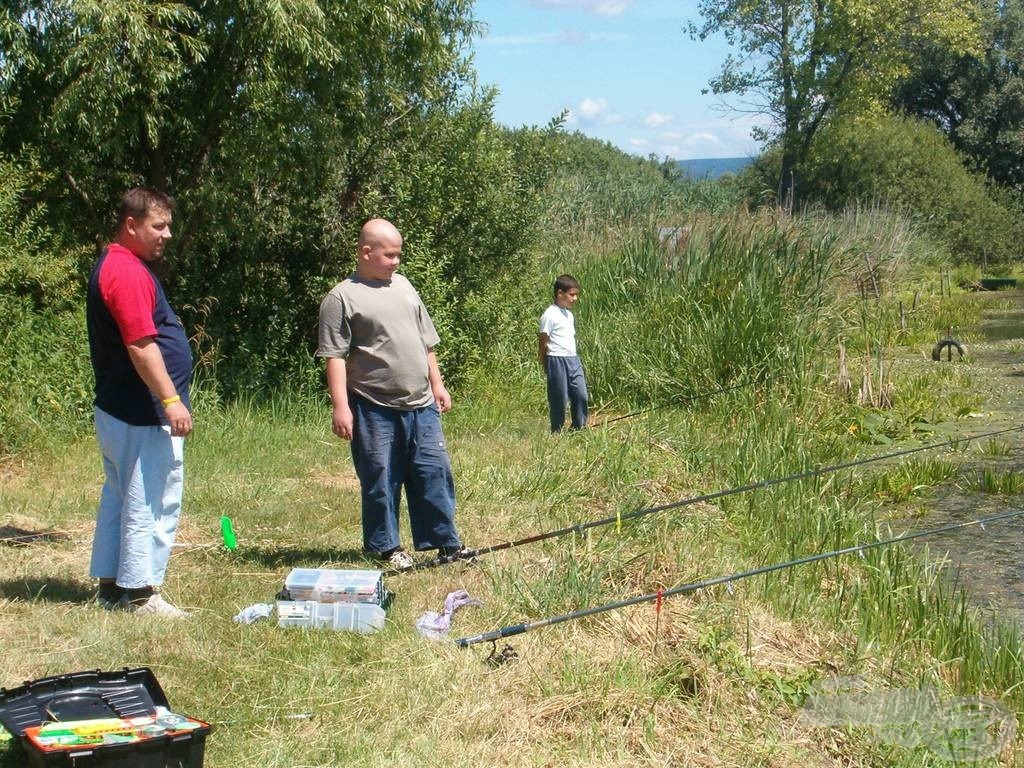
<point x="80" y="696"/>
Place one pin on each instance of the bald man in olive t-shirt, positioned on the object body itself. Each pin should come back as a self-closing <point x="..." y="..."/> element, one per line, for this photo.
<point x="387" y="396"/>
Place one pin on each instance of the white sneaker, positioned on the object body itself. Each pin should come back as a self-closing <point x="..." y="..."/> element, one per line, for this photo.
<point x="401" y="560"/>
<point x="154" y="606"/>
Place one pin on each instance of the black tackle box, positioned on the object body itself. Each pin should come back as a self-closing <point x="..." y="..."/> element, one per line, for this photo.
<point x="126" y="694"/>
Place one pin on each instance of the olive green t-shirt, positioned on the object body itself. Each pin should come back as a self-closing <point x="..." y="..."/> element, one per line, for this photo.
<point x="384" y="332"/>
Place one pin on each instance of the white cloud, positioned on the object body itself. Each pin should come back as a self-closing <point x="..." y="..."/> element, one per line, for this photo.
<point x="593" y="109"/>
<point x="658" y="119"/>
<point x="518" y="41"/>
<point x="596" y="7"/>
<point x="702" y="139"/>
<point x="573" y="37"/>
<point x="639" y="143"/>
<point x="592" y="112"/>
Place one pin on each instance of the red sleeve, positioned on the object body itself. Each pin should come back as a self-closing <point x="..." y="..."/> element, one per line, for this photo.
<point x="128" y="290"/>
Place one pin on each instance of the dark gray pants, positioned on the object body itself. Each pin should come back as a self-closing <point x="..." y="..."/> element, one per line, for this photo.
<point x="566" y="383"/>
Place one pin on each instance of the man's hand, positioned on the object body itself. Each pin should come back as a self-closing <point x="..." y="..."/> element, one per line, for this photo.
<point x="179" y="418"/>
<point x="442" y="398"/>
<point x="341" y="422"/>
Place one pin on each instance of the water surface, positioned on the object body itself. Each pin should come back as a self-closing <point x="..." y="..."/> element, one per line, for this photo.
<point x="989" y="563"/>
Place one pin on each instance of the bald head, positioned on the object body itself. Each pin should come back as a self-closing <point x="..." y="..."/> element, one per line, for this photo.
<point x="377" y="231"/>
<point x="380" y="250"/>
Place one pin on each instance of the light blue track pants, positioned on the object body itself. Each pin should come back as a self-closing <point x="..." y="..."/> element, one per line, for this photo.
<point x="140" y="503"/>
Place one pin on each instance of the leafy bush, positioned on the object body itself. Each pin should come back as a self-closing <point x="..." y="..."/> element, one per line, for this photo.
<point x="45" y="377"/>
<point x="466" y="196"/>
<point x="911" y="166"/>
<point x="469" y="197"/>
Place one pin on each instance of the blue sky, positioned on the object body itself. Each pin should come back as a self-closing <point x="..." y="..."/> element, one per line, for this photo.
<point x="626" y="70"/>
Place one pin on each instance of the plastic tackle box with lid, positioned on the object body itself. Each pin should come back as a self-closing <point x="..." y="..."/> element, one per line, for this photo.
<point x="325" y="585"/>
<point x="127" y="694"/>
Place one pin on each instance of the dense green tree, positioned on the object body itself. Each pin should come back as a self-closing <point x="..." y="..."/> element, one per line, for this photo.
<point x="802" y="60"/>
<point x="45" y="389"/>
<point x="278" y="126"/>
<point x="977" y="100"/>
<point x="182" y="94"/>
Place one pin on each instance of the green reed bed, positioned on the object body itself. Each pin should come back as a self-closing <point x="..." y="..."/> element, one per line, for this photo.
<point x="908" y="479"/>
<point x="989" y="480"/>
<point x="739" y="301"/>
<point x="939" y="632"/>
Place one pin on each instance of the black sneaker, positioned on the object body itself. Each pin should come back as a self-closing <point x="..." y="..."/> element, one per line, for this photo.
<point x="451" y="554"/>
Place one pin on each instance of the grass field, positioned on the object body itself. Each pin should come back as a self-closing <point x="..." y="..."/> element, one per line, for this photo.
<point x="717" y="678"/>
<point x="720" y="677"/>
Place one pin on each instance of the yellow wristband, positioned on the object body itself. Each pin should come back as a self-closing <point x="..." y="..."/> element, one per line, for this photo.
<point x="171" y="400"/>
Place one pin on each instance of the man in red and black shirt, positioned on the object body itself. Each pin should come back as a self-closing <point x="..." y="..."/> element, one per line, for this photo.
<point x="143" y="365"/>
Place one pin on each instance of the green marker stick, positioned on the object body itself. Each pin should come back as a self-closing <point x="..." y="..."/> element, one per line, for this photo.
<point x="228" y="532"/>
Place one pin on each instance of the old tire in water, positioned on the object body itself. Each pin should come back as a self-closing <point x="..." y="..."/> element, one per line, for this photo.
<point x="948" y="344"/>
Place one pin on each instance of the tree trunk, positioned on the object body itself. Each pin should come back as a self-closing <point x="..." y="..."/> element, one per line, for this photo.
<point x="788" y="175"/>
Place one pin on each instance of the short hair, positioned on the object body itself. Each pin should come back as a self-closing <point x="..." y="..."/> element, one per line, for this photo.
<point x="565" y="283"/>
<point x="137" y="202"/>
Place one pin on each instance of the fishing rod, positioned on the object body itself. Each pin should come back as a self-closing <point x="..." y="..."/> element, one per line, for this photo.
<point x="618" y="519"/>
<point x="657" y="597"/>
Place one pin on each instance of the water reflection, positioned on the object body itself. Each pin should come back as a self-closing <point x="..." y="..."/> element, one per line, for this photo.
<point x="988" y="563"/>
<point x="1001" y="325"/>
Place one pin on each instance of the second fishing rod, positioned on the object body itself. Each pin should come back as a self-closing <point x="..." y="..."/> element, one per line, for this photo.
<point x="619" y="518"/>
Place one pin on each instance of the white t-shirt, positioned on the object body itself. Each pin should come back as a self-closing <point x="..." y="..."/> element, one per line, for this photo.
<point x="560" y="326"/>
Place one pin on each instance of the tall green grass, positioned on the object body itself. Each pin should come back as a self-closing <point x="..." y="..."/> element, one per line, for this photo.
<point x="740" y="302"/>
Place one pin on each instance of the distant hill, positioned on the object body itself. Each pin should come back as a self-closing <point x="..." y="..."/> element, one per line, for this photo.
<point x="713" y="167"/>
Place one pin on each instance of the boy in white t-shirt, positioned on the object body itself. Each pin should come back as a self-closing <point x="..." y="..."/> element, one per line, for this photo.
<point x="558" y="359"/>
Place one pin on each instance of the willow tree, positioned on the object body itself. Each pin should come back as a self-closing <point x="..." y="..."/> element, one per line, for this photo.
<point x="799" y="61"/>
<point x="191" y="95"/>
<point x="278" y="126"/>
